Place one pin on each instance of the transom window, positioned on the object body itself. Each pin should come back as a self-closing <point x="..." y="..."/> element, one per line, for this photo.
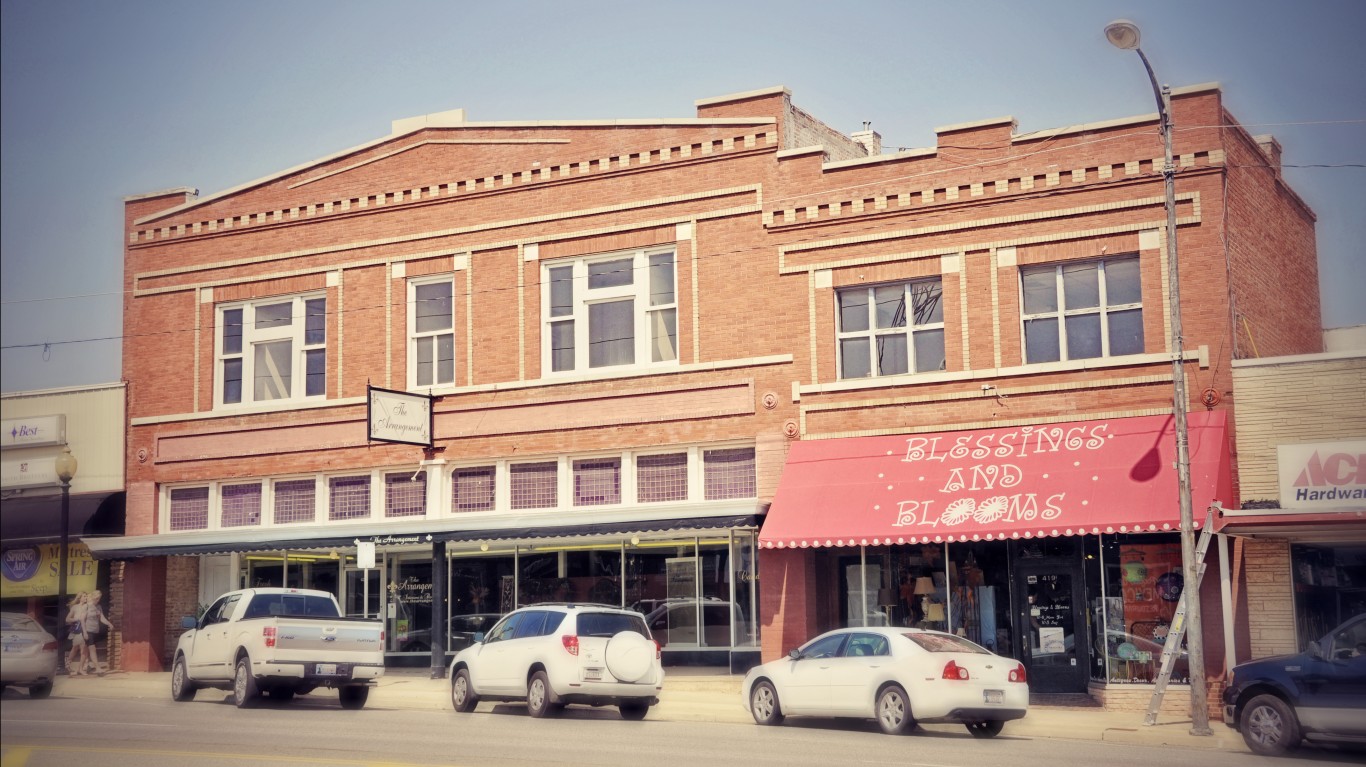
<point x="609" y="311"/>
<point x="431" y="339"/>
<point x="272" y="350"/>
<point x="889" y="330"/>
<point x="1082" y="310"/>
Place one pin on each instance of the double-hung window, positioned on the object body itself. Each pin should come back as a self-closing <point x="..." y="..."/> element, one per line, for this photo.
<point x="431" y="340"/>
<point x="272" y="350"/>
<point x="893" y="329"/>
<point x="1082" y="310"/>
<point x="609" y="311"/>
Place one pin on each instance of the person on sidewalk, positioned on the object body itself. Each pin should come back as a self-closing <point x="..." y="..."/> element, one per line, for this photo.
<point x="93" y="626"/>
<point x="75" y="627"/>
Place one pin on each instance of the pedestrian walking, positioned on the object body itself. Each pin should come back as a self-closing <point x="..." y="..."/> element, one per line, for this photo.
<point x="93" y="625"/>
<point x="75" y="628"/>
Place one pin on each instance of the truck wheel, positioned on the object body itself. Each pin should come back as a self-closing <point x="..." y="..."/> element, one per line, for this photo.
<point x="182" y="689"/>
<point x="462" y="694"/>
<point x="245" y="693"/>
<point x="353" y="698"/>
<point x="1269" y="726"/>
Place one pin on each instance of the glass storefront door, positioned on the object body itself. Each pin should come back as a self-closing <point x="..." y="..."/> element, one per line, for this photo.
<point x="1051" y="625"/>
<point x="364" y="593"/>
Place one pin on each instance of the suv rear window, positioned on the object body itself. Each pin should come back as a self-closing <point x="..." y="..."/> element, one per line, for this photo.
<point x="609" y="624"/>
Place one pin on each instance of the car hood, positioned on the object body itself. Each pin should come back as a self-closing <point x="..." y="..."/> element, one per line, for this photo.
<point x="1272" y="663"/>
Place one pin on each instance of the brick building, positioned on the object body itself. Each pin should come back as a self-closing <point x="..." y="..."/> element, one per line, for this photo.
<point x="1300" y="535"/>
<point x="641" y="332"/>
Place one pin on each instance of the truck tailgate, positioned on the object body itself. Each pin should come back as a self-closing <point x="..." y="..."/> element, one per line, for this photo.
<point x="319" y="640"/>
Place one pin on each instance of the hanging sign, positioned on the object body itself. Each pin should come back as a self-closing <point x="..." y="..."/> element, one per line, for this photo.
<point x="399" y="416"/>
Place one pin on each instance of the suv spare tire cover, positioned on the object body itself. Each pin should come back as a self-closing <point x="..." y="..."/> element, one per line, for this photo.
<point x="629" y="656"/>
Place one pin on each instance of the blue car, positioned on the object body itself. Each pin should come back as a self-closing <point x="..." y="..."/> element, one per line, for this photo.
<point x="1318" y="695"/>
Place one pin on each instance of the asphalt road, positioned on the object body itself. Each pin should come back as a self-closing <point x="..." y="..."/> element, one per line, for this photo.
<point x="210" y="731"/>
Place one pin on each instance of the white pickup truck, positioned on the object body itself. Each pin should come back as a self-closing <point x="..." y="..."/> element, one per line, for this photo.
<point x="282" y="642"/>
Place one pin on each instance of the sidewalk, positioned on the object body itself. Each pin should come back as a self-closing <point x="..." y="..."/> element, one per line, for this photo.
<point x="701" y="695"/>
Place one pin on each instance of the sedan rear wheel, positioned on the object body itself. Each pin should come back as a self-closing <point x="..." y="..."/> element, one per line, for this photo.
<point x="894" y="711"/>
<point x="1269" y="726"/>
<point x="40" y="690"/>
<point x="763" y="704"/>
<point x="985" y="729"/>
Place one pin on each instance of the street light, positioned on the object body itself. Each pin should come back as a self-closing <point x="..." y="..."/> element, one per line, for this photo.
<point x="1124" y="34"/>
<point x="66" y="469"/>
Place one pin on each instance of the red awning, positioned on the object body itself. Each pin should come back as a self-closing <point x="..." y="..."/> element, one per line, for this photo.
<point x="1114" y="475"/>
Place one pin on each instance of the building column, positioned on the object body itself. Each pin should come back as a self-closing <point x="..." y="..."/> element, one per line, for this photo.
<point x="787" y="593"/>
<point x="144" y="614"/>
<point x="439" y="578"/>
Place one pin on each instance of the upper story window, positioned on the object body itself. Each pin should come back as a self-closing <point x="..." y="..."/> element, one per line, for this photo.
<point x="889" y="330"/>
<point x="609" y="311"/>
<point x="431" y="328"/>
<point x="272" y="350"/>
<point x="1082" y="310"/>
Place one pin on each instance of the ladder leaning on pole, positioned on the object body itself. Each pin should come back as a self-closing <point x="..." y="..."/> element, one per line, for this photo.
<point x="1177" y="633"/>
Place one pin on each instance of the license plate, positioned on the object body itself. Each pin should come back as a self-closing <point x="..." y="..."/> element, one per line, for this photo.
<point x="592" y="674"/>
<point x="994" y="696"/>
<point x="325" y="669"/>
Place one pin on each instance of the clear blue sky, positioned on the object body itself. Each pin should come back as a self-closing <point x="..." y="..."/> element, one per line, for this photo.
<point x="107" y="99"/>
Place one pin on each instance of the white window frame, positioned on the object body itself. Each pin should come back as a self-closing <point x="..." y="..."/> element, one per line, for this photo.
<point x="251" y="337"/>
<point x="643" y="312"/>
<point x="873" y="332"/>
<point x="415" y="337"/>
<point x="1061" y="313"/>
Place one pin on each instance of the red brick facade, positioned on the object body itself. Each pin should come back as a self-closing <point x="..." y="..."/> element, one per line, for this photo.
<point x="766" y="231"/>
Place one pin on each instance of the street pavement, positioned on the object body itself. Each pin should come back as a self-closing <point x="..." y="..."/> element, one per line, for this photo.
<point x="706" y="695"/>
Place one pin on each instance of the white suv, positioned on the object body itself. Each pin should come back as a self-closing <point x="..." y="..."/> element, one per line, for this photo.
<point x="553" y="654"/>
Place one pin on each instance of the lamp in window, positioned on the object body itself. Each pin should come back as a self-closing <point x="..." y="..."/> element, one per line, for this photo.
<point x="924" y="588"/>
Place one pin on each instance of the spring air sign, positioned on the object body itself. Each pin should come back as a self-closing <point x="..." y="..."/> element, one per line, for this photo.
<point x="1323" y="475"/>
<point x="31" y="571"/>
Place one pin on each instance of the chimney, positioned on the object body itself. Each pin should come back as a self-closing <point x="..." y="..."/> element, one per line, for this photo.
<point x="1272" y="149"/>
<point x="869" y="139"/>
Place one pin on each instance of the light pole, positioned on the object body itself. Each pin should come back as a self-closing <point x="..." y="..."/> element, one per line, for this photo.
<point x="1124" y="34"/>
<point x="66" y="469"/>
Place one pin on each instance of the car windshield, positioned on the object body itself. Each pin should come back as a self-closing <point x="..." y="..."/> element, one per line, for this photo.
<point x="609" y="624"/>
<point x="946" y="643"/>
<point x="18" y="623"/>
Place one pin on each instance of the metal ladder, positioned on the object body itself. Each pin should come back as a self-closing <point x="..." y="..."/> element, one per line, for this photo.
<point x="1177" y="633"/>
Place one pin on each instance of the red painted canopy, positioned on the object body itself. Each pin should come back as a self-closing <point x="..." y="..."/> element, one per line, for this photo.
<point x="1098" y="476"/>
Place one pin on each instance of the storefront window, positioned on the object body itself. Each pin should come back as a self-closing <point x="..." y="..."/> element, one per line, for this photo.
<point x="1143" y="583"/>
<point x="979" y="594"/>
<point x="1330" y="587"/>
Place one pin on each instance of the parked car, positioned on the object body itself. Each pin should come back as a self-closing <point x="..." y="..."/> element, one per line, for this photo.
<point x="463" y="629"/>
<point x="282" y="642"/>
<point x="550" y="655"/>
<point x="1319" y="694"/>
<point x="898" y="676"/>
<point x="28" y="655"/>
<point x="675" y="622"/>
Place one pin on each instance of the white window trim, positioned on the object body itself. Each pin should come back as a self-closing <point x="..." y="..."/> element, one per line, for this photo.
<point x="414" y="336"/>
<point x="295" y="333"/>
<point x="873" y="332"/>
<point x="440" y="504"/>
<point x="1061" y="313"/>
<point x="638" y="291"/>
